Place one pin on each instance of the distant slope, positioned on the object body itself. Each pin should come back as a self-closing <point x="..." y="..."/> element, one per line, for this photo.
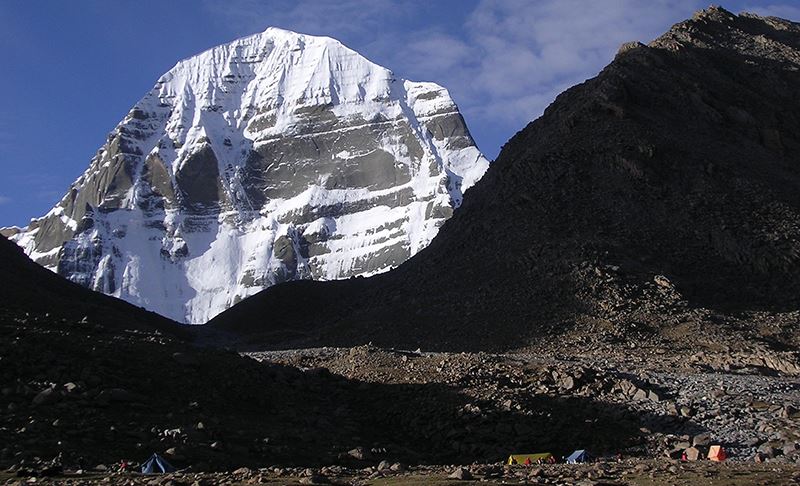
<point x="30" y="288"/>
<point x="667" y="185"/>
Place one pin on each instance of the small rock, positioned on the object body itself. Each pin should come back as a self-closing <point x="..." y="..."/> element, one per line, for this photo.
<point x="461" y="474"/>
<point x="358" y="453"/>
<point x="692" y="453"/>
<point x="314" y="479"/>
<point x="767" y="450"/>
<point x="662" y="281"/>
<point x="45" y="396"/>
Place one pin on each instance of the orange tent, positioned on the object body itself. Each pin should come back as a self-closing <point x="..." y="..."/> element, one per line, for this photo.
<point x="717" y="453"/>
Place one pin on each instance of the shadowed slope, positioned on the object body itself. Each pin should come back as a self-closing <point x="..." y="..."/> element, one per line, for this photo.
<point x="31" y="289"/>
<point x="670" y="181"/>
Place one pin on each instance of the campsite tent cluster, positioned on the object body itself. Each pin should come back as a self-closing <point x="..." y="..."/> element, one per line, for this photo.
<point x="715" y="453"/>
<point x="576" y="457"/>
<point x="157" y="464"/>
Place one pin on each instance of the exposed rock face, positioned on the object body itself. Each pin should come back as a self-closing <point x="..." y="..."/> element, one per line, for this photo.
<point x="662" y="193"/>
<point x="278" y="156"/>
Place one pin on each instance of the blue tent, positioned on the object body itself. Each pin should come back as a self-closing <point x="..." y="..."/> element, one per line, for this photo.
<point x="156" y="465"/>
<point x="578" y="456"/>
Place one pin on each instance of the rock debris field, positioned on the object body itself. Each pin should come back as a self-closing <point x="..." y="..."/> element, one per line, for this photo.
<point x="366" y="414"/>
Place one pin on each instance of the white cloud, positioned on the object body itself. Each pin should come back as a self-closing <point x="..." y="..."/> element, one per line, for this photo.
<point x="4" y="200"/>
<point x="511" y="58"/>
<point x="531" y="51"/>
<point x="791" y="12"/>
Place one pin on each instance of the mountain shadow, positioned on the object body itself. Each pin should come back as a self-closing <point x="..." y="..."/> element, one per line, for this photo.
<point x="669" y="182"/>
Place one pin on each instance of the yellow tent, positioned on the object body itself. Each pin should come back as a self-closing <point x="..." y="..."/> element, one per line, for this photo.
<point x="534" y="458"/>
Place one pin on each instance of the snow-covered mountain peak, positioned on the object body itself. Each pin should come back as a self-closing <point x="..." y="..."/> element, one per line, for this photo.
<point x="294" y="68"/>
<point x="274" y="157"/>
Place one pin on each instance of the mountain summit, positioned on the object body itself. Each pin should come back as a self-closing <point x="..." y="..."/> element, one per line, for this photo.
<point x="275" y="157"/>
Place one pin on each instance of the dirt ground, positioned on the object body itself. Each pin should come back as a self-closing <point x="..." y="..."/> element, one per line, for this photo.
<point x="644" y="473"/>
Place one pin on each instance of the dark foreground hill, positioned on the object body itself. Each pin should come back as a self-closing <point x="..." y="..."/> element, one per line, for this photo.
<point x="87" y="381"/>
<point x="660" y="198"/>
<point x="28" y="288"/>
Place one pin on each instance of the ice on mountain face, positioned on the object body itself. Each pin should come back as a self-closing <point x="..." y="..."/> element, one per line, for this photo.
<point x="276" y="157"/>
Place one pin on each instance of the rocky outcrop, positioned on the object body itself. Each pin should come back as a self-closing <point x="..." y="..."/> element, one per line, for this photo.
<point x="659" y="198"/>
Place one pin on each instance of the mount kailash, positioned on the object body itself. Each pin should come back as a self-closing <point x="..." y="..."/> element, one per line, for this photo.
<point x="276" y="157"/>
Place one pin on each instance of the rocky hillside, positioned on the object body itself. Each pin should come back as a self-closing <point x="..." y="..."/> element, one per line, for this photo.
<point x="78" y="395"/>
<point x="279" y="156"/>
<point x="32" y="292"/>
<point x="660" y="198"/>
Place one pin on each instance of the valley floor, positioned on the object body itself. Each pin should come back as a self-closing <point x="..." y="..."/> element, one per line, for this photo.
<point x="367" y="415"/>
<point x="640" y="473"/>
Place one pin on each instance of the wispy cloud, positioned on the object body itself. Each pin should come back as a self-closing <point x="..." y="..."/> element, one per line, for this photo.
<point x="786" y="11"/>
<point x="4" y="200"/>
<point x="519" y="54"/>
<point x="320" y="17"/>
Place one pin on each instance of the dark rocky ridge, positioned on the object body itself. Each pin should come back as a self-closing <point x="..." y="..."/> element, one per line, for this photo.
<point x="665" y="190"/>
<point x="33" y="290"/>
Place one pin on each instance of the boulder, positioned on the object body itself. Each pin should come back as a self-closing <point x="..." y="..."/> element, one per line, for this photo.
<point x="314" y="479"/>
<point x="48" y="395"/>
<point x="358" y="453"/>
<point x="461" y="474"/>
<point x="692" y="453"/>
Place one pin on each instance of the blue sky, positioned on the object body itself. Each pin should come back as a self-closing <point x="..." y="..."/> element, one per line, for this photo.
<point x="73" y="69"/>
